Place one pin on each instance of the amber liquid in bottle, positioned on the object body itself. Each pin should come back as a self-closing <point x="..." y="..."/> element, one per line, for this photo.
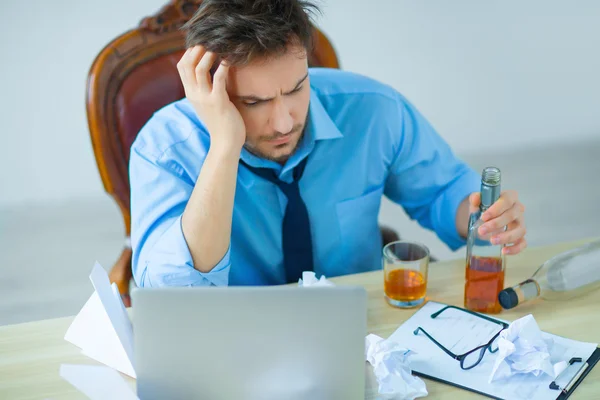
<point x="484" y="280"/>
<point x="484" y="272"/>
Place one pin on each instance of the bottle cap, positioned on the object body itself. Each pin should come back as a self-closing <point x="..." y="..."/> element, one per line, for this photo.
<point x="508" y="298"/>
<point x="490" y="187"/>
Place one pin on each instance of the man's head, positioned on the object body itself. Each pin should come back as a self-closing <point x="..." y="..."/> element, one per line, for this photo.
<point x="266" y="42"/>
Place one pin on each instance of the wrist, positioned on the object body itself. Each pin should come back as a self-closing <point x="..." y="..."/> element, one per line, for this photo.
<point x="225" y="151"/>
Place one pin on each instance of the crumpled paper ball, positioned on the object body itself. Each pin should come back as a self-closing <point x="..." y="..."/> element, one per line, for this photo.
<point x="523" y="350"/>
<point x="309" y="278"/>
<point x="391" y="366"/>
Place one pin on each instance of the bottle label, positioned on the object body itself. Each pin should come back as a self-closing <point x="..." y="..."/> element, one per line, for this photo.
<point x="527" y="290"/>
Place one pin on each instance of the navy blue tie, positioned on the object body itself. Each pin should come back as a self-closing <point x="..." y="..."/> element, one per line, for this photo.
<point x="295" y="230"/>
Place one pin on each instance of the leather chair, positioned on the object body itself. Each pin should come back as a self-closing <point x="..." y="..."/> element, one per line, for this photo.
<point x="132" y="77"/>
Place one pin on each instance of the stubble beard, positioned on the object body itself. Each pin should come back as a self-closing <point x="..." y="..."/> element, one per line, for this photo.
<point x="280" y="158"/>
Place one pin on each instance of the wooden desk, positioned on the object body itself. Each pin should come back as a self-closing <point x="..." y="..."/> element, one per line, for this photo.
<point x="31" y="353"/>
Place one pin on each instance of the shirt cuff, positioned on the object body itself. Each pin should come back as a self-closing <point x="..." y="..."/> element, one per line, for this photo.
<point x="170" y="263"/>
<point x="446" y="208"/>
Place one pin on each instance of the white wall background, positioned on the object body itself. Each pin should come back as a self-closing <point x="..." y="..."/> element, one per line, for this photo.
<point x="488" y="74"/>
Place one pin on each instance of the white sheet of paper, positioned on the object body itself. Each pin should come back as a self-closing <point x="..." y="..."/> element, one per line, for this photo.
<point x="102" y="328"/>
<point x="97" y="382"/>
<point x="120" y="321"/>
<point x="460" y="332"/>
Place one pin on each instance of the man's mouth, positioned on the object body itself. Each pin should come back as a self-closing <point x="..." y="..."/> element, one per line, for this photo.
<point x="281" y="139"/>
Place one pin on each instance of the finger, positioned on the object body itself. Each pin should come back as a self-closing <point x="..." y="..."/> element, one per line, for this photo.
<point x="202" y="71"/>
<point x="220" y="79"/>
<point x="180" y="67"/>
<point x="189" y="62"/>
<point x="474" y="202"/>
<point x="505" y="202"/>
<point x="516" y="248"/>
<point x="501" y="221"/>
<point x="516" y="231"/>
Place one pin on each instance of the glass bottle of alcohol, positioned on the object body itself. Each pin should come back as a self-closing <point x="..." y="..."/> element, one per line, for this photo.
<point x="485" y="263"/>
<point x="567" y="275"/>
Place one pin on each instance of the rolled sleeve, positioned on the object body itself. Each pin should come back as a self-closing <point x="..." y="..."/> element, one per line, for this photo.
<point x="170" y="263"/>
<point x="425" y="177"/>
<point x="160" y="190"/>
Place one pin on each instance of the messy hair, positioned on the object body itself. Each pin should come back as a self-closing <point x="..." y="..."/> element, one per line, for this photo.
<point x="240" y="31"/>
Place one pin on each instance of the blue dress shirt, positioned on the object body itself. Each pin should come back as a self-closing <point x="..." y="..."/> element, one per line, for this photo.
<point x="364" y="140"/>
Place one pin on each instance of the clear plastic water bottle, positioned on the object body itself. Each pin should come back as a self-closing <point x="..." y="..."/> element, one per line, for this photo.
<point x="567" y="275"/>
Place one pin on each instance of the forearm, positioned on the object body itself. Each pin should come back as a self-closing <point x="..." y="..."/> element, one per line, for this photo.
<point x="462" y="218"/>
<point x="206" y="221"/>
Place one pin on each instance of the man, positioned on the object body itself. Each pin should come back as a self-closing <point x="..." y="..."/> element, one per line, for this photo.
<point x="268" y="168"/>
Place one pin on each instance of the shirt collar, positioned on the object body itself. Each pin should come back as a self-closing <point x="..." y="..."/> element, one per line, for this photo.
<point x="320" y="126"/>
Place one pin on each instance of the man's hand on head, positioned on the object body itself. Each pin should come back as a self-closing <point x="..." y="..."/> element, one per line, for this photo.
<point x="210" y="99"/>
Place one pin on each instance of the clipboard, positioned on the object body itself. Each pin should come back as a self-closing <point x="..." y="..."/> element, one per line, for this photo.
<point x="468" y="389"/>
<point x="429" y="362"/>
<point x="578" y="376"/>
<point x="561" y="395"/>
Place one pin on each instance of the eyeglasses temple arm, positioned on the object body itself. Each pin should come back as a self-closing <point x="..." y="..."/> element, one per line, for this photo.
<point x="437" y="313"/>
<point x="451" y="354"/>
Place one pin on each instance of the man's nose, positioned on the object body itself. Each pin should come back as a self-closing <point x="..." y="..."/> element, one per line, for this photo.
<point x="281" y="119"/>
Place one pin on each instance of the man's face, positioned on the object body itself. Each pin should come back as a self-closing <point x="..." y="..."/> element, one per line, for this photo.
<point x="272" y="96"/>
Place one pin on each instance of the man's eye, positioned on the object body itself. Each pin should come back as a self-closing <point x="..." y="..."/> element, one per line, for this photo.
<point x="251" y="104"/>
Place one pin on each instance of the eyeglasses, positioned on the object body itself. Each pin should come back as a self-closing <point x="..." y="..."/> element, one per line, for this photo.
<point x="473" y="357"/>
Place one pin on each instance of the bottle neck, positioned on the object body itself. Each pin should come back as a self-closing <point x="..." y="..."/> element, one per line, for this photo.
<point x="489" y="195"/>
<point x="527" y="290"/>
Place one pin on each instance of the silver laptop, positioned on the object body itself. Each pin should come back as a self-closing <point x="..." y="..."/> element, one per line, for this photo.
<point x="267" y="343"/>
